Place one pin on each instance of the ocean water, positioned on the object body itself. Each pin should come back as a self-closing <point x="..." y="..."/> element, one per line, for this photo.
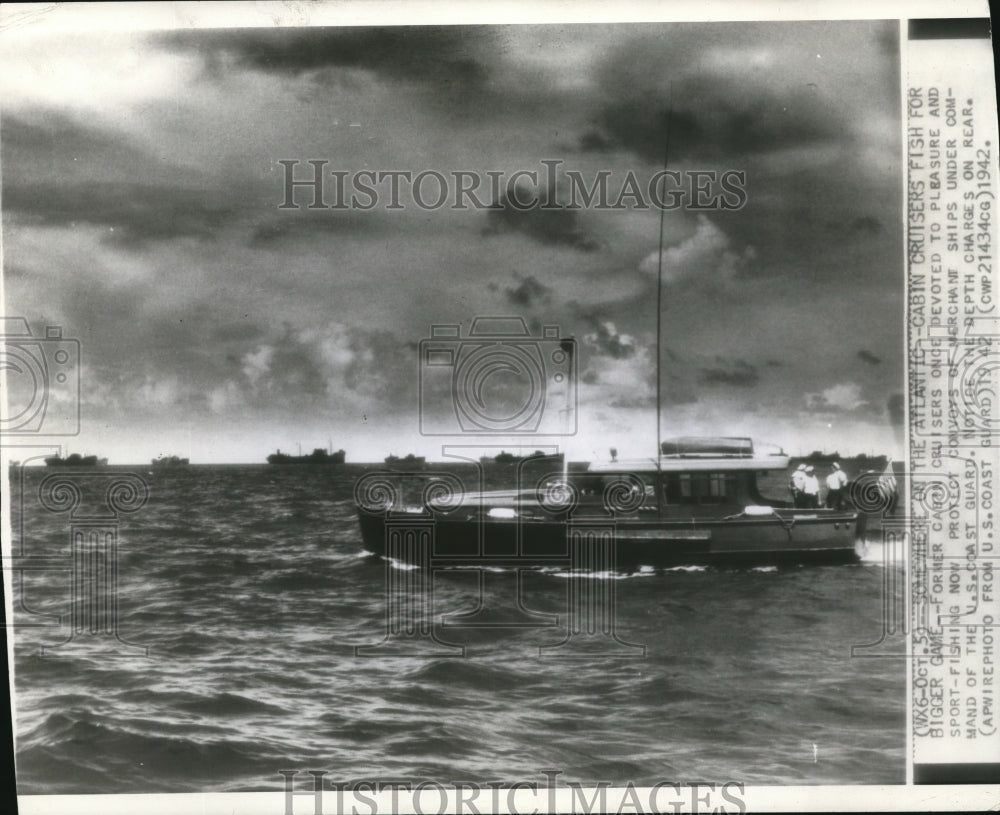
<point x="250" y="588"/>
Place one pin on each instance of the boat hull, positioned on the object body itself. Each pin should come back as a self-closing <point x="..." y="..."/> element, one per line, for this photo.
<point x="804" y="537"/>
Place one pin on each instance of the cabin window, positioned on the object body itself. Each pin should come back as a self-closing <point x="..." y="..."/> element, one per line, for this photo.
<point x="686" y="489"/>
<point x="677" y="488"/>
<point x="717" y="485"/>
<point x="699" y="488"/>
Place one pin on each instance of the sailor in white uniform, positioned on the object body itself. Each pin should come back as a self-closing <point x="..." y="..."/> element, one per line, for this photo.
<point x="835" y="483"/>
<point x="811" y="488"/>
<point x="798" y="486"/>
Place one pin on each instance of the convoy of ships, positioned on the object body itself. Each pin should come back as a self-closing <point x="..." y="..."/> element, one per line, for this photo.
<point x="319" y="456"/>
<point x="77" y="460"/>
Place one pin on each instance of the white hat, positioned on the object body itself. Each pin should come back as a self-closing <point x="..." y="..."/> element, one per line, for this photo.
<point x="801" y="467"/>
<point x="836" y="466"/>
<point x="809" y="469"/>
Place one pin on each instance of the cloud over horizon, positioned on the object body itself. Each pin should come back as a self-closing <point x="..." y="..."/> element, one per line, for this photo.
<point x="141" y="187"/>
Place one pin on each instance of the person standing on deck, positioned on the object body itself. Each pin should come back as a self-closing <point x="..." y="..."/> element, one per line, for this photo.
<point x="798" y="486"/>
<point x="835" y="483"/>
<point x="811" y="489"/>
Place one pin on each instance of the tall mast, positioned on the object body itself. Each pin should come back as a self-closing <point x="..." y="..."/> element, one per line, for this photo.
<point x="568" y="347"/>
<point x="659" y="306"/>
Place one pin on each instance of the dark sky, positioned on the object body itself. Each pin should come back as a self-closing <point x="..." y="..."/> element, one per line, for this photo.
<point x="141" y="192"/>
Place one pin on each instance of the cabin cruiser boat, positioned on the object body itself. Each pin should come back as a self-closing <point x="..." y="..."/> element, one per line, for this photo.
<point x="697" y="503"/>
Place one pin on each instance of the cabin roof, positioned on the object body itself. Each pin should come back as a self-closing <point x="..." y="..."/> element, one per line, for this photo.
<point x="691" y="464"/>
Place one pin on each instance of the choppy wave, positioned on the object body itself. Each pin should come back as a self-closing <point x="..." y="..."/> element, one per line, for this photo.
<point x="251" y="590"/>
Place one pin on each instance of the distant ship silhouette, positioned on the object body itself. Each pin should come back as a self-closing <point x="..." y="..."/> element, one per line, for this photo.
<point x="170" y="461"/>
<point x="409" y="459"/>
<point x="75" y="460"/>
<point x="317" y="456"/>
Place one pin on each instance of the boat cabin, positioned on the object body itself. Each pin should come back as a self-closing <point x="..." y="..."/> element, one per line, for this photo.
<point x="694" y="477"/>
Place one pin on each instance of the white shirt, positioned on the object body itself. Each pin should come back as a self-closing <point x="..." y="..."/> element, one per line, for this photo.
<point x="799" y="480"/>
<point x="811" y="485"/>
<point x="836" y="480"/>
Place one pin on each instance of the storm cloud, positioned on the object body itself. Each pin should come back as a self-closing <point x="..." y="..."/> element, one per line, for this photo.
<point x="736" y="373"/>
<point x="442" y="54"/>
<point x="555" y="225"/>
<point x="134" y="215"/>
<point x="141" y="214"/>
